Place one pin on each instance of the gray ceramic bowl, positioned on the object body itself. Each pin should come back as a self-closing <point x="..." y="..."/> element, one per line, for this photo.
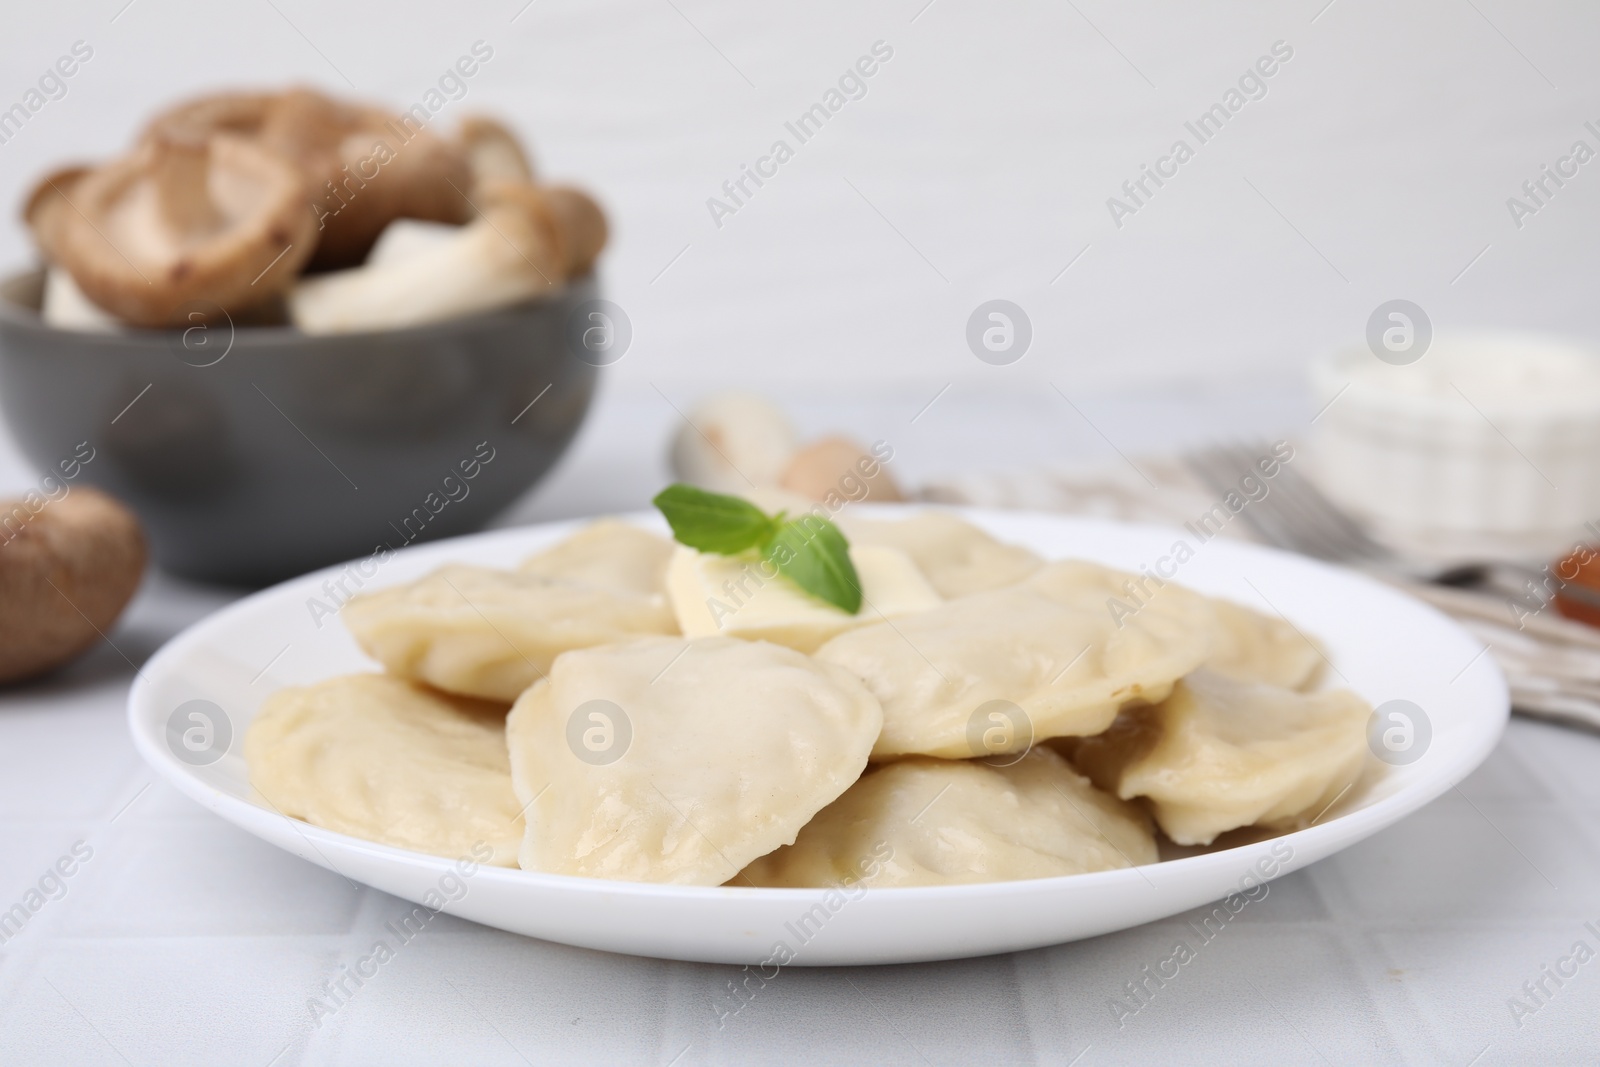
<point x="255" y="453"/>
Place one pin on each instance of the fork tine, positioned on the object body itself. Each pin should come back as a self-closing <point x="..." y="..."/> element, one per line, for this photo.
<point x="1356" y="542"/>
<point x="1288" y="501"/>
<point x="1300" y="500"/>
<point x="1288" y="512"/>
<point x="1294" y="514"/>
<point x="1221" y="473"/>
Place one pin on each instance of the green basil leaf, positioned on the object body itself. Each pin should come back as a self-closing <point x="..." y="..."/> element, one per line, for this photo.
<point x="712" y="522"/>
<point x="812" y="553"/>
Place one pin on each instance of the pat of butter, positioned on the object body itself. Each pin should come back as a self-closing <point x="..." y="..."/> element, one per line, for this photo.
<point x="741" y="596"/>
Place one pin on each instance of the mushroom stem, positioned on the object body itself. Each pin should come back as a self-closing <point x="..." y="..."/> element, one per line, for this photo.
<point x="66" y="307"/>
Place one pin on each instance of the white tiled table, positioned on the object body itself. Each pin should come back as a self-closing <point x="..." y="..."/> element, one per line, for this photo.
<point x="183" y="940"/>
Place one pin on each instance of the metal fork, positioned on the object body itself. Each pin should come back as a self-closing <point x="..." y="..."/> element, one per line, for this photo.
<point x="1295" y="515"/>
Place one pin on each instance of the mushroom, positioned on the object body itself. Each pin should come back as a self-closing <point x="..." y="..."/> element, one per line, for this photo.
<point x="220" y="220"/>
<point x="583" y="227"/>
<point x="495" y="155"/>
<point x="838" y="466"/>
<point x="733" y="442"/>
<point x="67" y="569"/>
<point x="201" y="117"/>
<point x="47" y="205"/>
<point x="493" y="152"/>
<point x="511" y="252"/>
<point x="205" y="208"/>
<point x="363" y="168"/>
<point x="64" y="304"/>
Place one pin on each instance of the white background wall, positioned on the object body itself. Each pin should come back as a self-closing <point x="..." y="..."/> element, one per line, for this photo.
<point x="1380" y="161"/>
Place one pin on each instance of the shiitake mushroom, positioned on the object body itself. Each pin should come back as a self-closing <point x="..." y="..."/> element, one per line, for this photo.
<point x="67" y="570"/>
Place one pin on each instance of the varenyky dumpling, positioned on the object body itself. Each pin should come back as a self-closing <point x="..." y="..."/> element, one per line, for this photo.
<point x="956" y="556"/>
<point x="745" y="596"/>
<point x="492" y="633"/>
<point x="681" y="760"/>
<point x="1049" y="645"/>
<point x="610" y="554"/>
<point x="1251" y="647"/>
<point x="381" y="759"/>
<point x="945" y="822"/>
<point x="1220" y="754"/>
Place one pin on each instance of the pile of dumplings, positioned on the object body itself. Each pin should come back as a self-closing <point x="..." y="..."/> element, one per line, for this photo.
<point x="639" y="747"/>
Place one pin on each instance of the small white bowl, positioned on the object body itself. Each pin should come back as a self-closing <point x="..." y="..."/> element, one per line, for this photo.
<point x="1488" y="446"/>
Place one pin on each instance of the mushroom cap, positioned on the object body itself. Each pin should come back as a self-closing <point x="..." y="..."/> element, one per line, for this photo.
<point x="66" y="573"/>
<point x="199" y="117"/>
<point x="582" y="224"/>
<point x="363" y="169"/>
<point x="221" y="220"/>
<point x="493" y="151"/>
<point x="425" y="177"/>
<point x="363" y="166"/>
<point x="47" y="203"/>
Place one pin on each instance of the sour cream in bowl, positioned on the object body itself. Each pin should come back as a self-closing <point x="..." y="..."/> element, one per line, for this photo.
<point x="1488" y="445"/>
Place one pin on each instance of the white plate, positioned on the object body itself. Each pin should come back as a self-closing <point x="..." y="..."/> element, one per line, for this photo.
<point x="1384" y="644"/>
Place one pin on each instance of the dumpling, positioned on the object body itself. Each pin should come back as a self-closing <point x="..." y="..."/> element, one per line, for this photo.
<point x="1252" y="647"/>
<point x="946" y="822"/>
<point x="610" y="554"/>
<point x="957" y="557"/>
<point x="744" y="596"/>
<point x="1052" y="645"/>
<point x="490" y="633"/>
<point x="681" y="760"/>
<point x="381" y="759"/>
<point x="1221" y="754"/>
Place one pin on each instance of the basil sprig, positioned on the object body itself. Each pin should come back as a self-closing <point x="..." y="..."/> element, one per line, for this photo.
<point x="808" y="551"/>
